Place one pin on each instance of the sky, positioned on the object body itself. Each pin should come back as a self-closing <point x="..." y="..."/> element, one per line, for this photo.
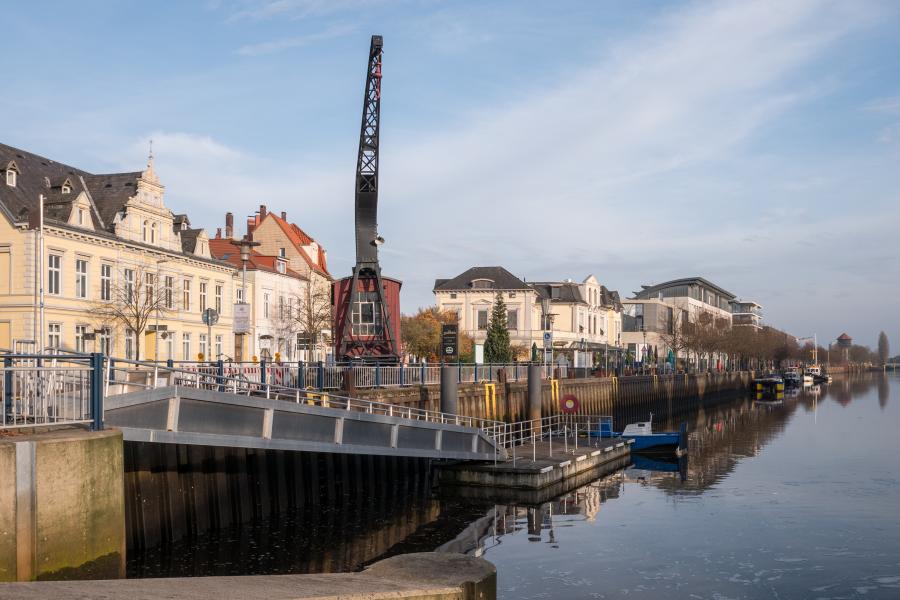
<point x="756" y="144"/>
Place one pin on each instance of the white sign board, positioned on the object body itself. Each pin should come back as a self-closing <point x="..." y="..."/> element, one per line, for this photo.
<point x="479" y="354"/>
<point x="241" y="323"/>
<point x="548" y="339"/>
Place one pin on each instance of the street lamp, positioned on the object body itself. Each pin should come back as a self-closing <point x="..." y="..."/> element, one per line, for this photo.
<point x="246" y="246"/>
<point x="156" y="301"/>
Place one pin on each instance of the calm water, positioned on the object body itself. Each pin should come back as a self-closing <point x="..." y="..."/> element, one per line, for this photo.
<point x="798" y="500"/>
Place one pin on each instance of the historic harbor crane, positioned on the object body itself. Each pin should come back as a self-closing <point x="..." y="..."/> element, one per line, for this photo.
<point x="366" y="304"/>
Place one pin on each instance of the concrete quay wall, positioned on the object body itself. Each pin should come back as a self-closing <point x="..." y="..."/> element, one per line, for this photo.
<point x="622" y="397"/>
<point x="61" y="504"/>
<point x="422" y="576"/>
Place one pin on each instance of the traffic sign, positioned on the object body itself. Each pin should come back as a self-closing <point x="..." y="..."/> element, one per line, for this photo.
<point x="569" y="404"/>
<point x="210" y="317"/>
<point x="548" y="340"/>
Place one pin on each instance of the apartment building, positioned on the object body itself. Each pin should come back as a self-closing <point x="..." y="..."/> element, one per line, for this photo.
<point x="110" y="245"/>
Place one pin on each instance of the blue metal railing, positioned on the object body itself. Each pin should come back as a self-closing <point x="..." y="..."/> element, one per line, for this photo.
<point x="48" y="389"/>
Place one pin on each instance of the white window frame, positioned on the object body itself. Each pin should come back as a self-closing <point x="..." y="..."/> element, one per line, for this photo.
<point x="186" y="295"/>
<point x="106" y="271"/>
<point x="11" y="177"/>
<point x="203" y="290"/>
<point x="80" y="331"/>
<point x="128" y="283"/>
<point x="54" y="274"/>
<point x="219" y="290"/>
<point x="186" y="346"/>
<point x="169" y="291"/>
<point x="81" y="278"/>
<point x="54" y="335"/>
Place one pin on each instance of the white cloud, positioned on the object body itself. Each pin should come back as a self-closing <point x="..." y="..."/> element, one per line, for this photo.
<point x="299" y="41"/>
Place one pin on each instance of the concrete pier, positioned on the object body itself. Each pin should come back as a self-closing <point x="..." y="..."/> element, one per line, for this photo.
<point x="62" y="510"/>
<point x="422" y="576"/>
<point x="534" y="468"/>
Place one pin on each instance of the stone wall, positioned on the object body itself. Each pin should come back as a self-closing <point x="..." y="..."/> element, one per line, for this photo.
<point x="61" y="505"/>
<point x="621" y="397"/>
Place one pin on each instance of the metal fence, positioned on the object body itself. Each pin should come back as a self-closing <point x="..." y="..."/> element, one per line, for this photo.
<point x="124" y="376"/>
<point x="322" y="376"/>
<point x="39" y="389"/>
<point x="565" y="430"/>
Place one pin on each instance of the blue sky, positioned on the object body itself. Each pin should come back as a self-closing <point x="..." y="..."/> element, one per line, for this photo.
<point x="756" y="144"/>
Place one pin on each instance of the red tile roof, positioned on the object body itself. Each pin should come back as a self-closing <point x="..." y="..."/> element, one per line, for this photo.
<point x="299" y="239"/>
<point x="223" y="249"/>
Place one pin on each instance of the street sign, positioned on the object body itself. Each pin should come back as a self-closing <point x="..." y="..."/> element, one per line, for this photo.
<point x="569" y="404"/>
<point x="548" y="339"/>
<point x="450" y="341"/>
<point x="241" y="323"/>
<point x="210" y="317"/>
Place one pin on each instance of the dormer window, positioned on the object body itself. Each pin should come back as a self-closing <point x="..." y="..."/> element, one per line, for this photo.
<point x="12" y="172"/>
<point x="279" y="265"/>
<point x="482" y="284"/>
<point x="81" y="216"/>
<point x="66" y="187"/>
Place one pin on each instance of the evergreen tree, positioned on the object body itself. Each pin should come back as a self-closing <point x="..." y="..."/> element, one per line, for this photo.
<point x="884" y="348"/>
<point x="497" y="348"/>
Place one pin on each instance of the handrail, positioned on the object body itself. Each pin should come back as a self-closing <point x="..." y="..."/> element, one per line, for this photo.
<point x="221" y="382"/>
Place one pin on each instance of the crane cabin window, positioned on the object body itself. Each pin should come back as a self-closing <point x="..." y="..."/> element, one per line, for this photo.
<point x="366" y="314"/>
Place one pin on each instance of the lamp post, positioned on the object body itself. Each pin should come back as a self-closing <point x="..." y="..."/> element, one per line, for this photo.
<point x="156" y="300"/>
<point x="246" y="246"/>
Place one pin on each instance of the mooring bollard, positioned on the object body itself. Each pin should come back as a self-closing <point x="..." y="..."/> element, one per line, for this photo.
<point x="449" y="390"/>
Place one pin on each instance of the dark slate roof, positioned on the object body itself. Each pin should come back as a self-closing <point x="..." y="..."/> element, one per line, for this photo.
<point x="189" y="240"/>
<point x="568" y="291"/>
<point x="503" y="280"/>
<point x="652" y="290"/>
<point x="111" y="192"/>
<point x="108" y="192"/>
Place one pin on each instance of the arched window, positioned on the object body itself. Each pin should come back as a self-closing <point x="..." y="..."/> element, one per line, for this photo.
<point x="153" y="233"/>
<point x="144" y="230"/>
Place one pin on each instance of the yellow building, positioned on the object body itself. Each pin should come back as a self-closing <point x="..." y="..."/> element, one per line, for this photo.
<point x="110" y="247"/>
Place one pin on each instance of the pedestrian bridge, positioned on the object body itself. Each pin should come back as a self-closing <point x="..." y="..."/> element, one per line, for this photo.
<point x="301" y="421"/>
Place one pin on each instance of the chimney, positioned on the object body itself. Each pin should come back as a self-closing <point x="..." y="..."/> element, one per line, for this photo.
<point x="284" y="215"/>
<point x="262" y="212"/>
<point x="218" y="233"/>
<point x="229" y="225"/>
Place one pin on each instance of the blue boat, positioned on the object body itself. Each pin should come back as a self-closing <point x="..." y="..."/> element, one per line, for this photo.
<point x="644" y="438"/>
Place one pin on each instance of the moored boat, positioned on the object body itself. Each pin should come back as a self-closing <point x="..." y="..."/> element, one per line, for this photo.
<point x="645" y="440"/>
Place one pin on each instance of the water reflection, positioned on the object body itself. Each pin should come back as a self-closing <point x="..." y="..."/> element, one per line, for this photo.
<point x="794" y="499"/>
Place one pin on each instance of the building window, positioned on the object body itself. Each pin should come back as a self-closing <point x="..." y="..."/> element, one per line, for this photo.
<point x="280" y="267"/>
<point x="281" y="252"/>
<point x="280" y="307"/>
<point x="81" y="216"/>
<point x="81" y="277"/>
<point x="145" y="230"/>
<point x="105" y="281"/>
<point x="53" y="335"/>
<point x="266" y="305"/>
<point x="80" y="330"/>
<point x="130" y="346"/>
<point x="105" y="341"/>
<point x="239" y="294"/>
<point x="482" y="284"/>
<point x="453" y="295"/>
<point x="512" y="319"/>
<point x="153" y="233"/>
<point x="186" y="346"/>
<point x="366" y="314"/>
<point x="129" y="285"/>
<point x="512" y="294"/>
<point x="170" y="292"/>
<point x="482" y="318"/>
<point x="203" y="344"/>
<point x="202" y="296"/>
<point x="10" y="178"/>
<point x="66" y="188"/>
<point x="53" y="270"/>
<point x="219" y="298"/>
<point x="218" y="346"/>
<point x="186" y="295"/>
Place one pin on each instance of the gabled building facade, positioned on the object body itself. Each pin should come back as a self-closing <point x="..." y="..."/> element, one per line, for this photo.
<point x="102" y="235"/>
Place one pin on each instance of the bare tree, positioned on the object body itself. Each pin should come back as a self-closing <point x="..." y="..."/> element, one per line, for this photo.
<point x="136" y="297"/>
<point x="313" y="314"/>
<point x="676" y="333"/>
